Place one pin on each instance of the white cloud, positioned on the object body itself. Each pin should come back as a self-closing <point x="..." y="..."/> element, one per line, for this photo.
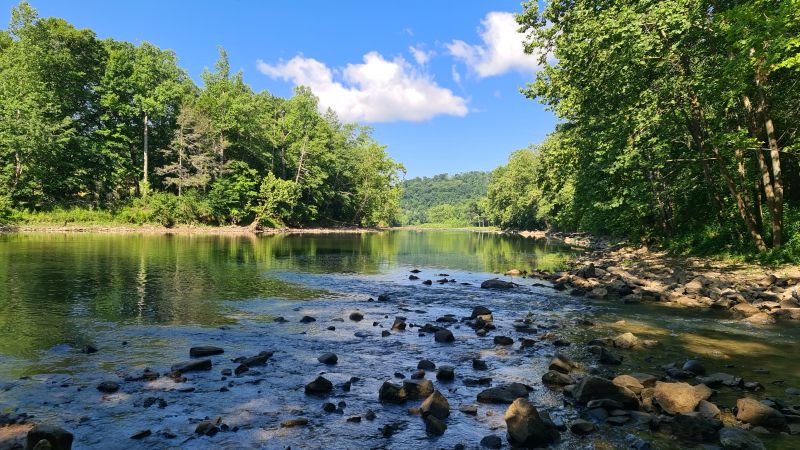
<point x="455" y="74"/>
<point x="420" y="55"/>
<point x="378" y="90"/>
<point x="501" y="50"/>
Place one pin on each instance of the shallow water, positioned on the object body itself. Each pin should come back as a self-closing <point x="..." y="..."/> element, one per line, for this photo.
<point x="143" y="300"/>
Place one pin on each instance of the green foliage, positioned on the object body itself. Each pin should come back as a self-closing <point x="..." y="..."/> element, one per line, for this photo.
<point x="108" y="124"/>
<point x="665" y="108"/>
<point x="461" y="192"/>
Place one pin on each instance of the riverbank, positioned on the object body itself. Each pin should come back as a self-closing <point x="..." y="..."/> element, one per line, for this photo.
<point x="757" y="294"/>
<point x="178" y="229"/>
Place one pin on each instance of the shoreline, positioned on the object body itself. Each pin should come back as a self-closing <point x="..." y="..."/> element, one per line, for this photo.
<point x="230" y="230"/>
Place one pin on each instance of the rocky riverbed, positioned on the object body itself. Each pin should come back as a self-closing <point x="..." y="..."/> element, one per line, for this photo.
<point x="420" y="358"/>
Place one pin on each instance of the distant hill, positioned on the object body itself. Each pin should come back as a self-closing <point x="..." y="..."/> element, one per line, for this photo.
<point x="443" y="198"/>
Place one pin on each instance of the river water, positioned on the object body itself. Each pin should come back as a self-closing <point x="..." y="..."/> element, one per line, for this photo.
<point x="144" y="300"/>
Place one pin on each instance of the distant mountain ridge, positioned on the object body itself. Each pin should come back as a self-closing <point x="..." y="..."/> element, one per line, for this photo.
<point x="443" y="198"/>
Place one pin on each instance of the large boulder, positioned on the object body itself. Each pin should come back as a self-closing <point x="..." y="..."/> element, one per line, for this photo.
<point x="738" y="439"/>
<point x="755" y="413"/>
<point x="506" y="393"/>
<point x="525" y="427"/>
<point x="596" y="388"/>
<point x="679" y="398"/>
<point x="437" y="405"/>
<point x="629" y="382"/>
<point x="58" y="438"/>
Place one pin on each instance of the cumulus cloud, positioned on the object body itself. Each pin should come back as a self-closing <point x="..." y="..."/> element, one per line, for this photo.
<point x="500" y="51"/>
<point x="420" y="55"/>
<point x="377" y="90"/>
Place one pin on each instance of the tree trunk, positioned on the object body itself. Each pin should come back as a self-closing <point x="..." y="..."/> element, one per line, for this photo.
<point x="136" y="190"/>
<point x="775" y="160"/>
<point x="698" y="135"/>
<point x="302" y="157"/>
<point x="146" y="158"/>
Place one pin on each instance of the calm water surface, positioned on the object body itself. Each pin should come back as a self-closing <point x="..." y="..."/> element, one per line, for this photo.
<point x="143" y="300"/>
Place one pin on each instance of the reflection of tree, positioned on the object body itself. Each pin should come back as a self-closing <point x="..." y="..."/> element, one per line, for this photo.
<point x="51" y="285"/>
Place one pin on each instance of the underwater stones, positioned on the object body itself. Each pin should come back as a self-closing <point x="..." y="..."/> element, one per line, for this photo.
<point x="444" y="336"/>
<point x="320" y="385"/>
<point x="191" y="366"/>
<point x="581" y="427"/>
<point x="492" y="441"/>
<point x="328" y="358"/>
<point x="497" y="284"/>
<point x="479" y="364"/>
<point x="356" y="316"/>
<point x="207" y="427"/>
<point x="626" y="341"/>
<point x="205" y="350"/>
<point x="307" y="319"/>
<point x="719" y="378"/>
<point x="503" y="394"/>
<point x="296" y="422"/>
<point x="503" y="340"/>
<point x="433" y="425"/>
<point x="108" y="387"/>
<point x="738" y="439"/>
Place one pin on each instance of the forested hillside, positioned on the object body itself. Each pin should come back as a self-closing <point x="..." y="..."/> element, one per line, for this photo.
<point x="679" y="123"/>
<point x="122" y="130"/>
<point x="445" y="199"/>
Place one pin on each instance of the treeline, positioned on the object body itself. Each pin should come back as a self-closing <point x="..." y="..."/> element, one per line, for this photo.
<point x="453" y="200"/>
<point x="108" y="125"/>
<point x="679" y="123"/>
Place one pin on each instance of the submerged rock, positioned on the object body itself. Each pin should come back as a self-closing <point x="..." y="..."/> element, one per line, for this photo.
<point x="307" y="319"/>
<point x="525" y="427"/>
<point x="426" y="365"/>
<point x="356" y="316"/>
<point x="582" y="427"/>
<point x="205" y="350"/>
<point x="503" y="340"/>
<point x="417" y="389"/>
<point x="191" y="366"/>
<point x="506" y="393"/>
<point x="434" y="425"/>
<point x="492" y="441"/>
<point x="497" y="284"/>
<point x="738" y="439"/>
<point x="328" y="358"/>
<point x="446" y="373"/>
<point x="108" y="387"/>
<point x="320" y="385"/>
<point x="694" y="426"/>
<point x="444" y="336"/>
<point x="557" y="378"/>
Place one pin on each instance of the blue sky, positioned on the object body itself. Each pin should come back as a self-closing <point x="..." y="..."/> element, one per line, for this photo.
<point x="455" y="107"/>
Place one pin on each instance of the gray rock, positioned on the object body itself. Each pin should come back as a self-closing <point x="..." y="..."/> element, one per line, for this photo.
<point x="497" y="284"/>
<point x="191" y="366"/>
<point x="446" y="373"/>
<point x="582" y="427"/>
<point x="434" y="425"/>
<point x="503" y="394"/>
<point x="694" y="366"/>
<point x="328" y="358"/>
<point x="595" y="388"/>
<point x="392" y="393"/>
<point x="492" y="441"/>
<point x="755" y="413"/>
<point x="108" y="387"/>
<point x="426" y="365"/>
<point x="444" y="336"/>
<point x="557" y="378"/>
<point x="503" y="340"/>
<point x="417" y="389"/>
<point x="59" y="438"/>
<point x="696" y="427"/>
<point x="320" y="385"/>
<point x="437" y="405"/>
<point x="677" y="398"/>
<point x="479" y="311"/>
<point x="525" y="427"/>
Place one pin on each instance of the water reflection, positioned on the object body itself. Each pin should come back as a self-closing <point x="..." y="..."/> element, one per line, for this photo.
<point x="54" y="288"/>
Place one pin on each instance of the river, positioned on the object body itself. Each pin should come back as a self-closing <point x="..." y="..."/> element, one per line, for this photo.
<point x="144" y="300"/>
